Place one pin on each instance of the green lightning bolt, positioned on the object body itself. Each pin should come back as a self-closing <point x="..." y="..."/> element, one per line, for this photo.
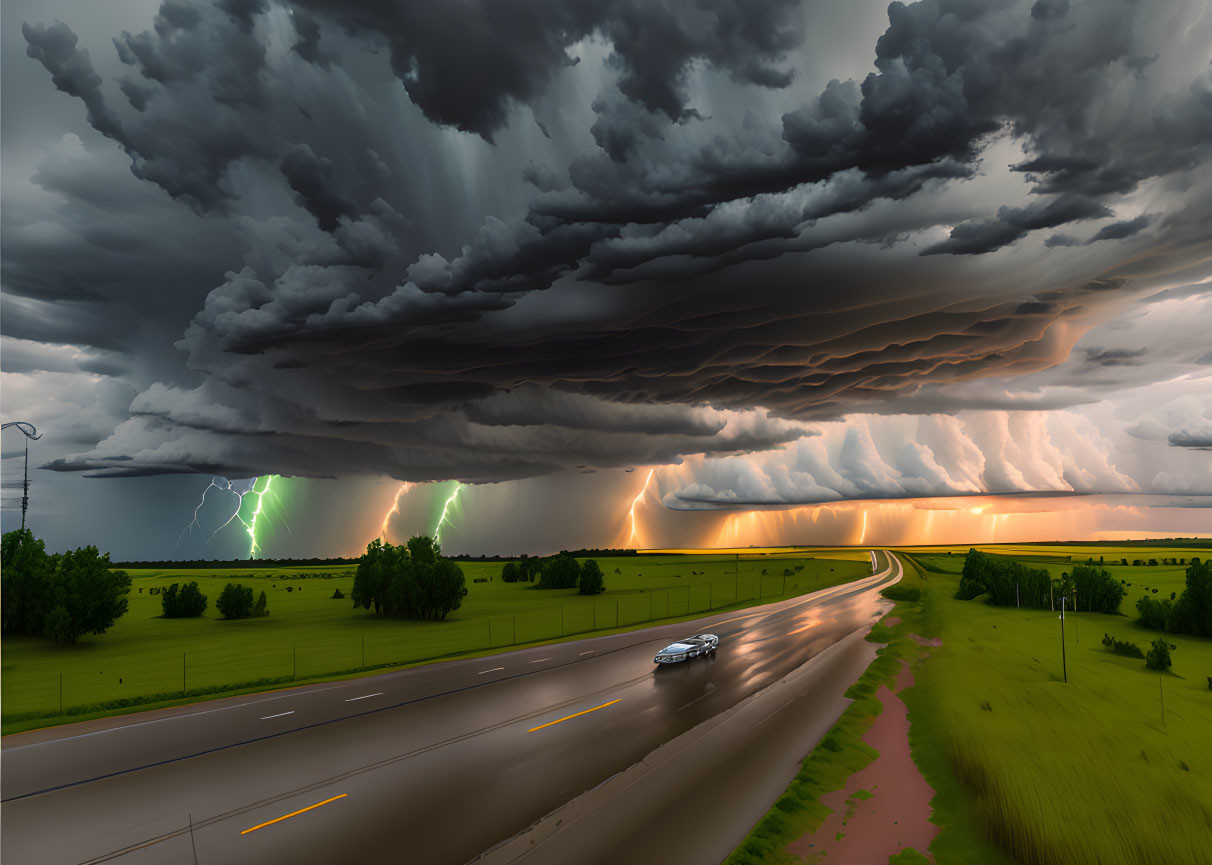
<point x="445" y="518"/>
<point x="250" y="525"/>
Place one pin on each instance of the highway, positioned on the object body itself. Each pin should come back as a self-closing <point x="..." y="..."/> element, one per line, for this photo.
<point x="441" y="763"/>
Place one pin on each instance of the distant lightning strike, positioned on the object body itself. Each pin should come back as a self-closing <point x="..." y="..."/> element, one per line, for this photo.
<point x="250" y="524"/>
<point x="395" y="509"/>
<point x="445" y="518"/>
<point x="631" y="539"/>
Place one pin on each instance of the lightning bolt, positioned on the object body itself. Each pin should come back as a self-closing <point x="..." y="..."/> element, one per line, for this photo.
<point x="395" y="509"/>
<point x="250" y="524"/>
<point x="445" y="518"/>
<point x="631" y="538"/>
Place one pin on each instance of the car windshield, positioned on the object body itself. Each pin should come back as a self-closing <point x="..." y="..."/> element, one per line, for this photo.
<point x="678" y="647"/>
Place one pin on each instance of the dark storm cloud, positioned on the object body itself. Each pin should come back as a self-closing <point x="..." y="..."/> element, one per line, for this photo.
<point x="311" y="177"/>
<point x="1013" y="223"/>
<point x="681" y="286"/>
<point x="467" y="64"/>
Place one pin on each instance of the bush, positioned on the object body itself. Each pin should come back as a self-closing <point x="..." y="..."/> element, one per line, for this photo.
<point x="1159" y="656"/>
<point x="337" y="594"/>
<point x="592" y="582"/>
<point x="898" y="592"/>
<point x="787" y="572"/>
<point x="1131" y="650"/>
<point x="509" y="572"/>
<point x="186" y="603"/>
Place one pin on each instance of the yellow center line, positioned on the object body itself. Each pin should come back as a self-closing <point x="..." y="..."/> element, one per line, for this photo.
<point x="292" y="814"/>
<point x="797" y="630"/>
<point x="577" y="715"/>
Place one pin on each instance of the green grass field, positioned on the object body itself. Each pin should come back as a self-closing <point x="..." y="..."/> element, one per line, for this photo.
<point x="308" y="634"/>
<point x="1085" y="772"/>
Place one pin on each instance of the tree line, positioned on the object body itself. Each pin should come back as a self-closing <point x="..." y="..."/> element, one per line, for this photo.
<point x="1010" y="583"/>
<point x="1191" y="613"/>
<point x="561" y="571"/>
<point x="411" y="580"/>
<point x="59" y="597"/>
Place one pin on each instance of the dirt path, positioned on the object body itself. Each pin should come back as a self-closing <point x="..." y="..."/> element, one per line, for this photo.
<point x="884" y="807"/>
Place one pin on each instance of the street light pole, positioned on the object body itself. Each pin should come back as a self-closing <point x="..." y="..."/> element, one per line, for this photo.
<point x="31" y="432"/>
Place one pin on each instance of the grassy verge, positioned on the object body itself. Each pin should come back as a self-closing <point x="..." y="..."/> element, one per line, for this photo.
<point x="146" y="661"/>
<point x="842" y="752"/>
<point x="1079" y="772"/>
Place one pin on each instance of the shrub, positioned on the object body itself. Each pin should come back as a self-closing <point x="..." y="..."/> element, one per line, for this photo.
<point x="1131" y="650"/>
<point x="902" y="593"/>
<point x="1159" y="656"/>
<point x="186" y="603"/>
<point x="337" y="594"/>
<point x="787" y="572"/>
<point x="509" y="572"/>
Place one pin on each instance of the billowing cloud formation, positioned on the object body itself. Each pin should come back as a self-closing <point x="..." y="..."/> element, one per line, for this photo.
<point x="617" y="237"/>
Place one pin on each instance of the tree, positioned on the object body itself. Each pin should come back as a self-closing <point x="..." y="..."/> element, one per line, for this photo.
<point x="1192" y="612"/>
<point x="592" y="581"/>
<point x="1096" y="590"/>
<point x="84" y="595"/>
<point x="25" y="570"/>
<point x="1159" y="656"/>
<point x="236" y="601"/>
<point x="411" y="580"/>
<point x="261" y="607"/>
<point x="509" y="573"/>
<point x="371" y="576"/>
<point x="187" y="603"/>
<point x="975" y="576"/>
<point x="1154" y="614"/>
<point x="560" y="572"/>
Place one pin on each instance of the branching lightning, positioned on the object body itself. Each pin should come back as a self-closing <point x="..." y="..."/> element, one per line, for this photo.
<point x="445" y="518"/>
<point x="631" y="539"/>
<point x="250" y="524"/>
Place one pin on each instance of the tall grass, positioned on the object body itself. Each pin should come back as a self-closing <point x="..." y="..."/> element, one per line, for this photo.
<point x="1076" y="773"/>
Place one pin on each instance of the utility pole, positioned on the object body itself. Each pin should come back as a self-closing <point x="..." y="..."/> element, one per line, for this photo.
<point x="1064" y="666"/>
<point x="31" y="432"/>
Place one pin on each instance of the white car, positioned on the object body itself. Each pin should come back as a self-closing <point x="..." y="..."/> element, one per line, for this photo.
<point x="690" y="647"/>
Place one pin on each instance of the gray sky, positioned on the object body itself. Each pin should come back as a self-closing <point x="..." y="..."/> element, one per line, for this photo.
<point x="794" y="253"/>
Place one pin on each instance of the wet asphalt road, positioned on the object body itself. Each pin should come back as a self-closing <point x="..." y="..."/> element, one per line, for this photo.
<point x="430" y="765"/>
